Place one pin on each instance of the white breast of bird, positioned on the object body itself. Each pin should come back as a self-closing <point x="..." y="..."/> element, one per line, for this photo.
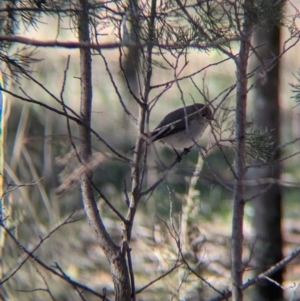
<point x="186" y="139"/>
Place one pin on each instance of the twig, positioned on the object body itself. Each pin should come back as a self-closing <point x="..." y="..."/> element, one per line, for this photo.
<point x="131" y="273"/>
<point x="41" y="263"/>
<point x="64" y="222"/>
<point x="77" y="120"/>
<point x="263" y="275"/>
<point x="85" y="45"/>
<point x="176" y="266"/>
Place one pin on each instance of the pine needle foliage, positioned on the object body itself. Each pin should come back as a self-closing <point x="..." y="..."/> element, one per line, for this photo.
<point x="296" y="88"/>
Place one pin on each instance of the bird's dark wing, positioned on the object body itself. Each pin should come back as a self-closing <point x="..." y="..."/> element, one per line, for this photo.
<point x="164" y="130"/>
<point x="173" y="123"/>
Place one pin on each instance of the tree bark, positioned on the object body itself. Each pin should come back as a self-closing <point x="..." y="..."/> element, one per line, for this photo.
<point x="267" y="206"/>
<point x="237" y="268"/>
<point x="115" y="256"/>
<point x="239" y="189"/>
<point x="131" y="64"/>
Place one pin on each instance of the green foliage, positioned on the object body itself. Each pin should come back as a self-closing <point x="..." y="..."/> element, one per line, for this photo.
<point x="267" y="13"/>
<point x="296" y="88"/>
<point x="259" y="144"/>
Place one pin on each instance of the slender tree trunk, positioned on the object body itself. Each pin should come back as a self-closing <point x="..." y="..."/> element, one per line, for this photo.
<point x="267" y="206"/>
<point x="131" y="63"/>
<point x="115" y="256"/>
<point x="239" y="189"/>
<point x="237" y="268"/>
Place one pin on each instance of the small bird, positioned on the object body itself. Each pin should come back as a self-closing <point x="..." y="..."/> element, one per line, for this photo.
<point x="183" y="127"/>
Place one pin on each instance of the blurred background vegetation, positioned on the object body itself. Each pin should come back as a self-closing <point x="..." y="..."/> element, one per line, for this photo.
<point x="38" y="155"/>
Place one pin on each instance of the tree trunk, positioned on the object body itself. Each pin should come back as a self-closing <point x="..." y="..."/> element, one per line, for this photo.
<point x="240" y="158"/>
<point x="113" y="253"/>
<point x="267" y="206"/>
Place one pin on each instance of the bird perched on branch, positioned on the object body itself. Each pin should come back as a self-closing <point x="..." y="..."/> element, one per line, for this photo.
<point x="183" y="127"/>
